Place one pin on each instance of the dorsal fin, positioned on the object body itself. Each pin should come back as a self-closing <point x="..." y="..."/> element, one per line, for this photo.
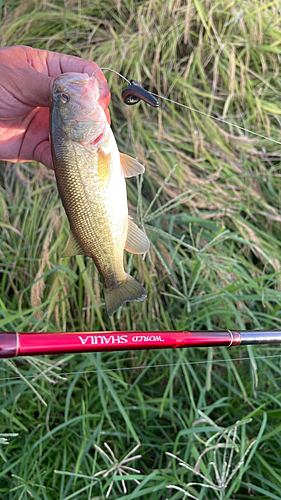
<point x="130" y="166"/>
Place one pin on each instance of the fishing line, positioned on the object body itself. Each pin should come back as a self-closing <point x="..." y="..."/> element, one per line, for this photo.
<point x="218" y="119"/>
<point x="143" y="367"/>
<point x="135" y="92"/>
<point x="113" y="71"/>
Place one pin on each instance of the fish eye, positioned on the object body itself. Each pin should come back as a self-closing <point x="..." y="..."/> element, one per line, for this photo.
<point x="64" y="97"/>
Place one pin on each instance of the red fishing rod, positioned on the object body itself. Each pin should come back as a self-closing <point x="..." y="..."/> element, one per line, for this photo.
<point x="13" y="344"/>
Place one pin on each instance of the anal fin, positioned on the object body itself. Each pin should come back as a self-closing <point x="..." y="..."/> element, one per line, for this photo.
<point x="72" y="247"/>
<point x="137" y="241"/>
<point x="130" y="166"/>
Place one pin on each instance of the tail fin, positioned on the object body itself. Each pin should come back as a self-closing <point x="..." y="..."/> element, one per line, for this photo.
<point x="126" y="291"/>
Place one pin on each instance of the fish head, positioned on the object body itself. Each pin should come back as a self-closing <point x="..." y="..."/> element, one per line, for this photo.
<point x="76" y="113"/>
<point x="75" y="95"/>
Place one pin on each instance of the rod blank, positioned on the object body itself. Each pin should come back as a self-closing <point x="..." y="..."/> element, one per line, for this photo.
<point x="13" y="344"/>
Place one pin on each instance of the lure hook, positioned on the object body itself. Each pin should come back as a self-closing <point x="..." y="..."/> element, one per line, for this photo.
<point x="134" y="93"/>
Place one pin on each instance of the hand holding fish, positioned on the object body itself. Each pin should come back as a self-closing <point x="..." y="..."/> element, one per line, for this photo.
<point x="27" y="78"/>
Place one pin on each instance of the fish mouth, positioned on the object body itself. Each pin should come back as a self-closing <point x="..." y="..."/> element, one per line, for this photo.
<point x="80" y="83"/>
<point x="75" y="78"/>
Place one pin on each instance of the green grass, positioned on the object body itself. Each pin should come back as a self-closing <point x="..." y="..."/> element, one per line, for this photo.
<point x="210" y="204"/>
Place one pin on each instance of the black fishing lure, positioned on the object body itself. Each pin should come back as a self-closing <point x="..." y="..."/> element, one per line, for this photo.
<point x="135" y="93"/>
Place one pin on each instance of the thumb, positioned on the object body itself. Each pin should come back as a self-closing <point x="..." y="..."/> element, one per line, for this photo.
<point x="43" y="154"/>
<point x="31" y="87"/>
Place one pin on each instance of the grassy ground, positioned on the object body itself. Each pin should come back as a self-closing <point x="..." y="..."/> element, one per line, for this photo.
<point x="207" y="421"/>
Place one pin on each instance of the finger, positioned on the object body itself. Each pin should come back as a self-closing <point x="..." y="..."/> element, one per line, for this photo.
<point x="43" y="154"/>
<point x="35" y="142"/>
<point x="63" y="63"/>
<point x="108" y="116"/>
<point x="72" y="63"/>
<point x="48" y="65"/>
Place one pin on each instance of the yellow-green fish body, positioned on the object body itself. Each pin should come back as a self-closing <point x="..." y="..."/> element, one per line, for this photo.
<point x="90" y="174"/>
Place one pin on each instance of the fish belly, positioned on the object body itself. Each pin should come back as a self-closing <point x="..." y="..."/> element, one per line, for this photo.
<point x="93" y="191"/>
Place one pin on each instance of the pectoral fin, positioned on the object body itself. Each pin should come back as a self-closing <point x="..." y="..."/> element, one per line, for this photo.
<point x="72" y="247"/>
<point x="137" y="241"/>
<point x="130" y="166"/>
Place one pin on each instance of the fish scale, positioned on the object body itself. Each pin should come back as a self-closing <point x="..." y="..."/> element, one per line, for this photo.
<point x="91" y="230"/>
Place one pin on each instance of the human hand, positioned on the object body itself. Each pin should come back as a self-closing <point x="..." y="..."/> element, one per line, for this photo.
<point x="27" y="77"/>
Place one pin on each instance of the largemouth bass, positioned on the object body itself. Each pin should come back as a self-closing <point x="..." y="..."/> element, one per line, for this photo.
<point x="90" y="174"/>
